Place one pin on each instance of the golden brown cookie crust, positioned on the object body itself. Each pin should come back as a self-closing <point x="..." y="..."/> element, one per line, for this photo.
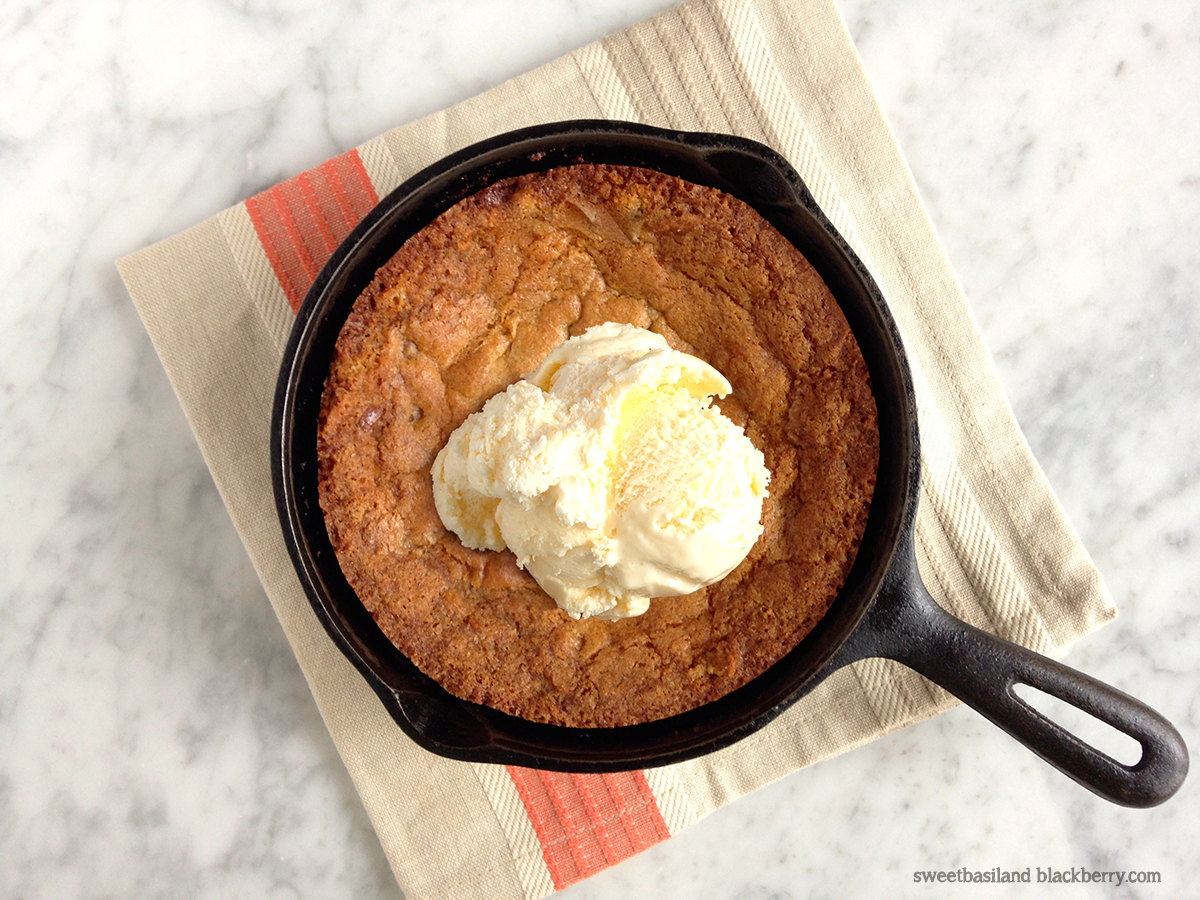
<point x="477" y="299"/>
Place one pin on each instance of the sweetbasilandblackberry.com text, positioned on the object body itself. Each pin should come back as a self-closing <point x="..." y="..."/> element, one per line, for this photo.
<point x="1036" y="875"/>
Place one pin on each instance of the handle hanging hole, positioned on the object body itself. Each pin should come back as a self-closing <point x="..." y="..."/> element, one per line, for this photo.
<point x="1099" y="734"/>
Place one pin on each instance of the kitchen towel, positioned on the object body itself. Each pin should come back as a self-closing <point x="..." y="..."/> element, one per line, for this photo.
<point x="992" y="542"/>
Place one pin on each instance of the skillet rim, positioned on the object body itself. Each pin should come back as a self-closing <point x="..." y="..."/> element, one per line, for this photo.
<point x="461" y="730"/>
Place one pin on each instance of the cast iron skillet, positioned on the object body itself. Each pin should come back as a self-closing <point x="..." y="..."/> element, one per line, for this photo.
<point x="883" y="609"/>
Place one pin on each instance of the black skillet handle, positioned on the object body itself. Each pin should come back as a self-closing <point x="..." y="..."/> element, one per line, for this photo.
<point x="907" y="625"/>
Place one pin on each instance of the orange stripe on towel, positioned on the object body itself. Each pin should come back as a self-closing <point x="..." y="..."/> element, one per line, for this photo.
<point x="586" y="823"/>
<point x="301" y="221"/>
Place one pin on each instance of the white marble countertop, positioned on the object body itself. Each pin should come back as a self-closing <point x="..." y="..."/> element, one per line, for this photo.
<point x="156" y="735"/>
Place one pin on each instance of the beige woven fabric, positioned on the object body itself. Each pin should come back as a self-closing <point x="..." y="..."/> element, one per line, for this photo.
<point x="993" y="544"/>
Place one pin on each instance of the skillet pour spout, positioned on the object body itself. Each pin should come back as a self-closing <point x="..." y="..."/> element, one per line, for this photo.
<point x="881" y="610"/>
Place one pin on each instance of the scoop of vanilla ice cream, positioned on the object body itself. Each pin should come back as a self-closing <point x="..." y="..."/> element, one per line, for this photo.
<point x="608" y="474"/>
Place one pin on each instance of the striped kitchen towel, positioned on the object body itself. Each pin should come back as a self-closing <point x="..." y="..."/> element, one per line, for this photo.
<point x="218" y="301"/>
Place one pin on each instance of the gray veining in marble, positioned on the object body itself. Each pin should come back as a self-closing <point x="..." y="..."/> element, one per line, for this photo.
<point x="156" y="736"/>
